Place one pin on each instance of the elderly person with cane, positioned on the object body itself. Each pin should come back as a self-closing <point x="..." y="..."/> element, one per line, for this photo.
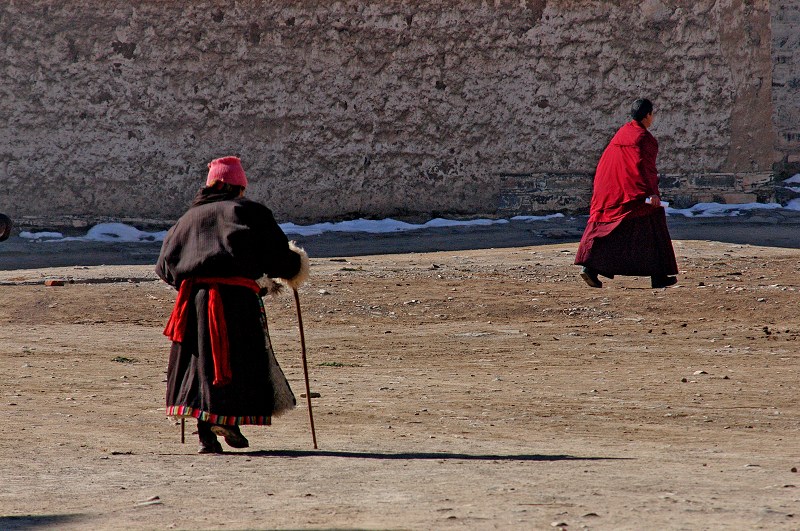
<point x="222" y="370"/>
<point x="627" y="230"/>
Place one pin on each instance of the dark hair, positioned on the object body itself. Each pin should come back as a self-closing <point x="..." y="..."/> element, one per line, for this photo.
<point x="218" y="191"/>
<point x="225" y="188"/>
<point x="641" y="108"/>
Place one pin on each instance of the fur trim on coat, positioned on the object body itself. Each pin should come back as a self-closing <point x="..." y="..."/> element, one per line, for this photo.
<point x="270" y="286"/>
<point x="305" y="267"/>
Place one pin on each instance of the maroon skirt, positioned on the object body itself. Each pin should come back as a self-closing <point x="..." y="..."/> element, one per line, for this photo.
<point x="635" y="246"/>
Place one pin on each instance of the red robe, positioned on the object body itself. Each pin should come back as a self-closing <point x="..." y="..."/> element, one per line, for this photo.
<point x="626" y="175"/>
<point x="625" y="235"/>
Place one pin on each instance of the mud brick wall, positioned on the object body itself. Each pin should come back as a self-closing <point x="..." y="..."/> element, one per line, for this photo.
<point x="786" y="93"/>
<point x="112" y="109"/>
<point x="786" y="79"/>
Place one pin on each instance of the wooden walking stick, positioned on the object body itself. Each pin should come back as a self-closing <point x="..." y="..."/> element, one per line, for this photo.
<point x="305" y="365"/>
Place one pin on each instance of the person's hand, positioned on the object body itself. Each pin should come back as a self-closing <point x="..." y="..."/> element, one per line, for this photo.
<point x="654" y="200"/>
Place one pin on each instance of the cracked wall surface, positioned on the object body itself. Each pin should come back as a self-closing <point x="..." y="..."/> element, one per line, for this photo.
<point x="786" y="78"/>
<point x="347" y="109"/>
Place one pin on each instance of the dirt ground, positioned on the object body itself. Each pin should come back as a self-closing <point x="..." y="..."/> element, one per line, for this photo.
<point x="471" y="389"/>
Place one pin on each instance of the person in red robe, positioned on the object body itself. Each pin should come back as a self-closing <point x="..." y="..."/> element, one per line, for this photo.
<point x="627" y="230"/>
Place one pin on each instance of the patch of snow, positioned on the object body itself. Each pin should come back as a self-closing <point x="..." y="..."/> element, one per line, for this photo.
<point x="794" y="204"/>
<point x="709" y="210"/>
<point x="794" y="179"/>
<point x="380" y="226"/>
<point x="104" y="232"/>
<point x="548" y="217"/>
<point x="119" y="232"/>
<point x="41" y="235"/>
<point x="122" y="233"/>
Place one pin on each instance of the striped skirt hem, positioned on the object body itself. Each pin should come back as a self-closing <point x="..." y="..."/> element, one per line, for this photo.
<point x="205" y="416"/>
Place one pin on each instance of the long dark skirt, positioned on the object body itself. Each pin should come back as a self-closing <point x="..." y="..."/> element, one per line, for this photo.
<point x="258" y="389"/>
<point x="635" y="246"/>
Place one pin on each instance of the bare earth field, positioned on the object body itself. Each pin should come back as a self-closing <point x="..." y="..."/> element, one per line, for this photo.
<point x="475" y="389"/>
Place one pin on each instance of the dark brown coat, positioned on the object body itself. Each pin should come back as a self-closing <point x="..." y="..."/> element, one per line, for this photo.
<point x="225" y="237"/>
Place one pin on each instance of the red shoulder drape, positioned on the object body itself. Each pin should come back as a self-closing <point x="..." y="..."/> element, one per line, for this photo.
<point x="626" y="175"/>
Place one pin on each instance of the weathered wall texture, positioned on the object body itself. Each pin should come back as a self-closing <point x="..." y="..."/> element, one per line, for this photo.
<point x="351" y="108"/>
<point x="786" y="91"/>
<point x="786" y="78"/>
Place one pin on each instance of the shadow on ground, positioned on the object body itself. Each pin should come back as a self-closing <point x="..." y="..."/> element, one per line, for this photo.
<point x="423" y="456"/>
<point x="39" y="521"/>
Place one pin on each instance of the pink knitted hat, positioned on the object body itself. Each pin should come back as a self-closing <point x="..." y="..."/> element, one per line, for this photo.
<point x="227" y="170"/>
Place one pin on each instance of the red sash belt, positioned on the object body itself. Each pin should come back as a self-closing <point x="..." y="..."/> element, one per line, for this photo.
<point x="176" y="326"/>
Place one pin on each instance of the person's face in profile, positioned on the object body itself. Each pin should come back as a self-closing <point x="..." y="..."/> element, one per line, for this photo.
<point x="647" y="121"/>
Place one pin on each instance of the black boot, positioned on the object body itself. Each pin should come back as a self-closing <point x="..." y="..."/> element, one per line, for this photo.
<point x="589" y="275"/>
<point x="208" y="441"/>
<point x="233" y="437"/>
<point x="662" y="281"/>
